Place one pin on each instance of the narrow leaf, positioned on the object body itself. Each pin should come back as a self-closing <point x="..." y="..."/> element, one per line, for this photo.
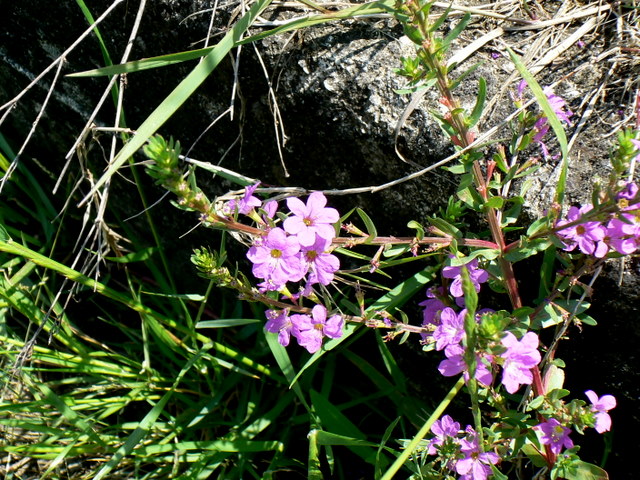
<point x="552" y="118"/>
<point x="181" y="93"/>
<point x="479" y="106"/>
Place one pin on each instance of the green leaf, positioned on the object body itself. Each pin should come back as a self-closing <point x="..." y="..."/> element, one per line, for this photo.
<point x="494" y="202"/>
<point x="144" y="64"/>
<point x="534" y="455"/>
<point x="4" y="235"/>
<point x="371" y="8"/>
<point x="587" y="320"/>
<point x="140" y="256"/>
<point x="368" y="223"/>
<point x="458" y="29"/>
<point x="227" y="322"/>
<point x="445" y="227"/>
<point x="552" y="118"/>
<point x="528" y="249"/>
<point x="537" y="226"/>
<point x="585" y="471"/>
<point x="479" y="106"/>
<point x="553" y="377"/>
<point x="416" y="226"/>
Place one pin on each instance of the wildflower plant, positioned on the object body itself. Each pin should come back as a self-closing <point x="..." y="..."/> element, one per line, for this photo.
<point x="513" y="378"/>
<point x="503" y="353"/>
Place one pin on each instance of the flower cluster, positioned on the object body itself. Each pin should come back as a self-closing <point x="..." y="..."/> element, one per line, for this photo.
<point x="460" y="451"/>
<point x="517" y="357"/>
<point x="555" y="435"/>
<point x="299" y="249"/>
<point x="308" y="330"/>
<point x="619" y="233"/>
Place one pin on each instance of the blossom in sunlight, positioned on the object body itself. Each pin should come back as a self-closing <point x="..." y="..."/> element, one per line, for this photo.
<point x="476" y="274"/>
<point x="444" y="429"/>
<point x="455" y="364"/>
<point x="552" y="433"/>
<point x="622" y="234"/>
<point x="476" y="464"/>
<point x="280" y="323"/>
<point x="310" y="330"/>
<point x="519" y="358"/>
<point x="321" y="264"/>
<point x="311" y="219"/>
<point x="601" y="406"/>
<point x="245" y="204"/>
<point x="558" y="105"/>
<point x="629" y="191"/>
<point x="586" y="236"/>
<point x="541" y="127"/>
<point x="451" y="328"/>
<point x="275" y="258"/>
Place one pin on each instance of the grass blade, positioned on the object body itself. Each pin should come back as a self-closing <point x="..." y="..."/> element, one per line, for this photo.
<point x="552" y="118"/>
<point x="180" y="94"/>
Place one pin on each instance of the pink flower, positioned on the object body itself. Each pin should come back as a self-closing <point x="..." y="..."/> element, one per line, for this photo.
<point x="311" y="219"/>
<point x="554" y="435"/>
<point x="275" y="259"/>
<point x="476" y="464"/>
<point x="601" y="406"/>
<point x="321" y="265"/>
<point x="520" y="357"/>
<point x="476" y="274"/>
<point x="280" y="323"/>
<point x="586" y="235"/>
<point x="445" y="429"/>
<point x="451" y="328"/>
<point x="247" y="203"/>
<point x="310" y="330"/>
<point x="455" y="364"/>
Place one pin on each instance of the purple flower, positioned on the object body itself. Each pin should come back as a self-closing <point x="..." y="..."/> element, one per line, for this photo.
<point x="244" y="205"/>
<point x="321" y="265"/>
<point x="451" y="328"/>
<point x="621" y="235"/>
<point x="585" y="235"/>
<point x="554" y="435"/>
<point x="310" y="330"/>
<point x="520" y="357"/>
<point x="629" y="191"/>
<point x="558" y="105"/>
<point x="455" y="364"/>
<point x="601" y="406"/>
<point x="476" y="274"/>
<point x="444" y="430"/>
<point x="476" y="464"/>
<point x="432" y="305"/>
<point x="275" y="259"/>
<point x="270" y="207"/>
<point x="541" y="126"/>
<point x="280" y="323"/>
<point x="311" y="219"/>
